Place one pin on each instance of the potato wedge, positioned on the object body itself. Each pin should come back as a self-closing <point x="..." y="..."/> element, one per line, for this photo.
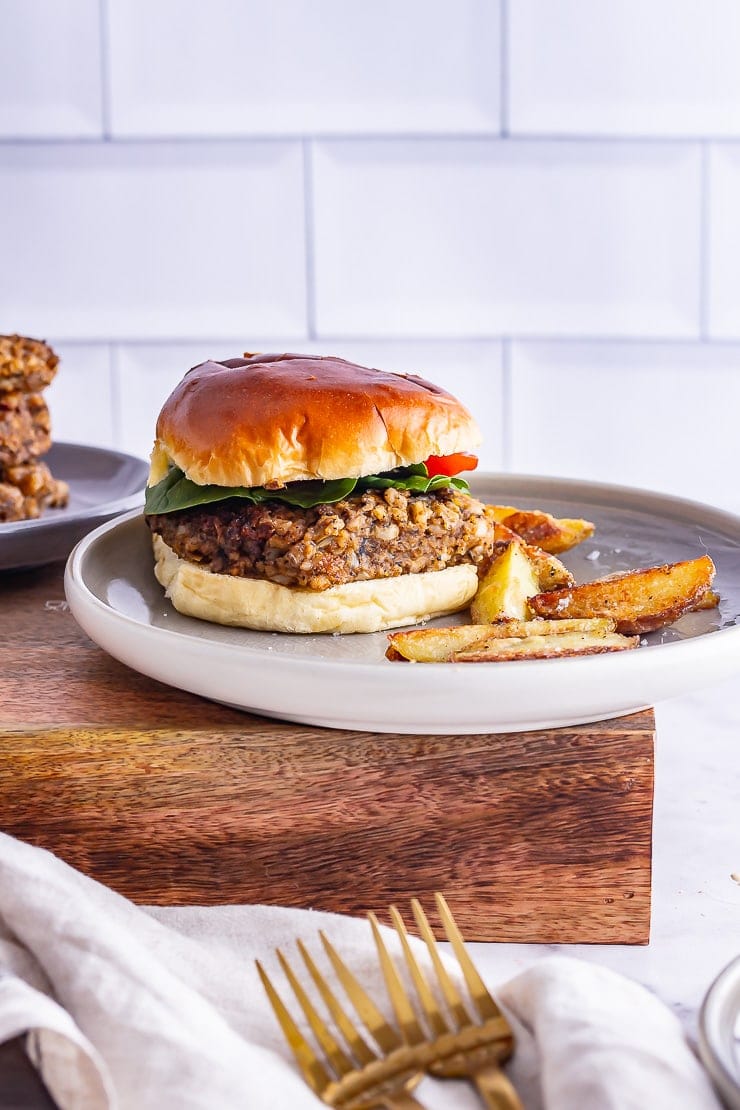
<point x="505" y="587"/>
<point x="515" y="629"/>
<point x="542" y="529"/>
<point x="500" y="512"/>
<point x="638" y="600"/>
<point x="436" y="645"/>
<point x="499" y="650"/>
<point x="502" y="534"/>
<point x="551" y="573"/>
<point x="433" y="645"/>
<point x="710" y="600"/>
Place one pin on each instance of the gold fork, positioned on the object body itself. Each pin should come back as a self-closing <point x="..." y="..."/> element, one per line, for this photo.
<point x="461" y="1046"/>
<point x="360" y="1079"/>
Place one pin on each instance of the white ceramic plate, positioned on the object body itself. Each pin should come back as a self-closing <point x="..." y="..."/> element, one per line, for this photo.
<point x="346" y="681"/>
<point x="719" y="1033"/>
<point x="102" y="484"/>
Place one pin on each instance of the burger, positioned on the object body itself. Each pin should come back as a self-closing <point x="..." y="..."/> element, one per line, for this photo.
<point x="292" y="493"/>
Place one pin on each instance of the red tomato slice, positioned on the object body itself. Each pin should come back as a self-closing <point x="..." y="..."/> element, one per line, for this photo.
<point x="450" y="464"/>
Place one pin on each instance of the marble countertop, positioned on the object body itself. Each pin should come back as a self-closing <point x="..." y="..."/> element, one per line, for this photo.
<point x="696" y="861"/>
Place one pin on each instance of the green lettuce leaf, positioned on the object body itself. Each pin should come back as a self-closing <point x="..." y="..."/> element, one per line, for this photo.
<point x="176" y="492"/>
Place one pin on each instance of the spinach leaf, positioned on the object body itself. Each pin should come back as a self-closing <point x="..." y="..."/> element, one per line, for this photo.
<point x="176" y="492"/>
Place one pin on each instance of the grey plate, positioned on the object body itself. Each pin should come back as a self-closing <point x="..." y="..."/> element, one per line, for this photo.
<point x="346" y="681"/>
<point x="102" y="484"/>
<point x="719" y="1034"/>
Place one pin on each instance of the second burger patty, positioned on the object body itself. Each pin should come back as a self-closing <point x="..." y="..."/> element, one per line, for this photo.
<point x="377" y="534"/>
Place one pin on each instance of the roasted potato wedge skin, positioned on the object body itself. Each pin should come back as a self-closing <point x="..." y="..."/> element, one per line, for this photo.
<point x="499" y="650"/>
<point x="500" y="512"/>
<point x="638" y="600"/>
<point x="503" y="535"/>
<point x="505" y="586"/>
<point x="542" y="529"/>
<point x="710" y="600"/>
<point x="438" y="645"/>
<point x="433" y="645"/>
<point x="551" y="573"/>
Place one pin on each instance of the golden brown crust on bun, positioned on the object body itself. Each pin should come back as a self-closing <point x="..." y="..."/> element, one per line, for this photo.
<point x="368" y="606"/>
<point x="272" y="419"/>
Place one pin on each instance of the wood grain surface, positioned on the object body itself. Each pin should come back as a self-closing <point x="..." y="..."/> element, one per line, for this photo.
<point x="170" y="799"/>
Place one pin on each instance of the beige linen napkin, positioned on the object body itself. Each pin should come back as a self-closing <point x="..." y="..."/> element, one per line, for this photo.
<point x="136" y="1009"/>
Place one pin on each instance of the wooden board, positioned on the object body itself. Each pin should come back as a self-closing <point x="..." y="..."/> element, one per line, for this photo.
<point x="170" y="799"/>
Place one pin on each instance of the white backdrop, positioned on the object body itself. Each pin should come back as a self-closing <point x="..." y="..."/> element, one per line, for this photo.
<point x="533" y="202"/>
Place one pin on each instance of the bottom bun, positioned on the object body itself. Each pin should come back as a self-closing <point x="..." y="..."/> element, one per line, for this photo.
<point x="355" y="607"/>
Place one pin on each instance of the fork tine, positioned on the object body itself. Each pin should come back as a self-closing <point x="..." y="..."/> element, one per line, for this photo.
<point x="479" y="993"/>
<point x="405" y="1015"/>
<point x="333" y="1050"/>
<point x="451" y="996"/>
<point x="427" y="1000"/>
<point x="359" y="1048"/>
<point x="382" y="1031"/>
<point x="312" y="1069"/>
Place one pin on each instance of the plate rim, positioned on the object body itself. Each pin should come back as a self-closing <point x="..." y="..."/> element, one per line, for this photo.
<point x="712" y="1056"/>
<point x="119" y="504"/>
<point x="630" y="493"/>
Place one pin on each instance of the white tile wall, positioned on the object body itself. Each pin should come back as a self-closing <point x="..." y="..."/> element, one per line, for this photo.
<point x="660" y="416"/>
<point x="146" y="374"/>
<point x="232" y="68"/>
<point x="624" y="67"/>
<point x="472" y="370"/>
<point x="150" y="241"/>
<point x="449" y="238"/>
<point x="50" y="68"/>
<point x="80" y="398"/>
<point x="536" y="204"/>
<point x="724" y="240"/>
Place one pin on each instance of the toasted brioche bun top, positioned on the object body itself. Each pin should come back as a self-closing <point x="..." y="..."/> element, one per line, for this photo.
<point x="273" y="419"/>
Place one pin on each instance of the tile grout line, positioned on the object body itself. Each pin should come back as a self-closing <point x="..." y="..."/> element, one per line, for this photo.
<point x="434" y="340"/>
<point x="704" y="245"/>
<point x="521" y="138"/>
<point x="105" y="97"/>
<point x="504" y="69"/>
<point x="114" y="373"/>
<point x="309" y="237"/>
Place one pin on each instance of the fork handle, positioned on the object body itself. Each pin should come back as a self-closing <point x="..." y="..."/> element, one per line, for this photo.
<point x="496" y="1089"/>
